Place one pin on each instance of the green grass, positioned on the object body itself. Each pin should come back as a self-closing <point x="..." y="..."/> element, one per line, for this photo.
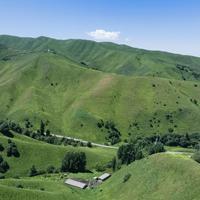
<point x="160" y="176"/>
<point x="40" y="154"/>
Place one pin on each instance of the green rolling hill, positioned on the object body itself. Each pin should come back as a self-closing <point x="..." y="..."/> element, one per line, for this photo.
<point x="55" y="80"/>
<point x="79" y="86"/>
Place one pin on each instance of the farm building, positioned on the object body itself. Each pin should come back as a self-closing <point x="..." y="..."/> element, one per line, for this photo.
<point x="104" y="176"/>
<point x="75" y="183"/>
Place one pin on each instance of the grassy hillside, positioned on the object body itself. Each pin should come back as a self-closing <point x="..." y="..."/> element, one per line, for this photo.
<point x="42" y="155"/>
<point x="160" y="176"/>
<point x="74" y="99"/>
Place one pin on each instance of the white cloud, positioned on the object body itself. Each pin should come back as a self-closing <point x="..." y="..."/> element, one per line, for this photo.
<point x="101" y="34"/>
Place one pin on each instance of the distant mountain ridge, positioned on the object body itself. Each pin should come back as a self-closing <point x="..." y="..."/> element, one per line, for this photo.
<point x="113" y="58"/>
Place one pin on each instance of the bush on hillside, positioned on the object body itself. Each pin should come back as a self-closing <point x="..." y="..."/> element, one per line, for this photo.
<point x="33" y="171"/>
<point x="126" y="177"/>
<point x="50" y="169"/>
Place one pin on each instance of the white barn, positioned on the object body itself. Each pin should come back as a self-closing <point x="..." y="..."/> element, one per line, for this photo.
<point x="104" y="176"/>
<point x="75" y="183"/>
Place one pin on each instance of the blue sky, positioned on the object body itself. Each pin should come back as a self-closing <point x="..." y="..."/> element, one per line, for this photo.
<point x="169" y="25"/>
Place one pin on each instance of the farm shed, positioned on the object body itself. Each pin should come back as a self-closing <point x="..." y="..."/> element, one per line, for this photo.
<point x="75" y="183"/>
<point x="104" y="176"/>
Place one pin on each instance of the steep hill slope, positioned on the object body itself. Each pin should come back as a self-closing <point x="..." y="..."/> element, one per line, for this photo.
<point x="74" y="99"/>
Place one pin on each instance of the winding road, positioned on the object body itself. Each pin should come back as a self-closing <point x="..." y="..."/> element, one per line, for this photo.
<point x="84" y="141"/>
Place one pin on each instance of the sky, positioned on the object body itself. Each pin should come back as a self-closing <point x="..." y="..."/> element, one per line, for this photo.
<point x="167" y="25"/>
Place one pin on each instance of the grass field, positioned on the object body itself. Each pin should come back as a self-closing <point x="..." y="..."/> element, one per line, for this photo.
<point x="40" y="154"/>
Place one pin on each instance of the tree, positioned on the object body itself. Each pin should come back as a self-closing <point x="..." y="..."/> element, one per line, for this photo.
<point x="114" y="162"/>
<point x="33" y="171"/>
<point x="74" y="162"/>
<point x="138" y="155"/>
<point x="156" y="148"/>
<point x="89" y="144"/>
<point x="4" y="167"/>
<point x="42" y="127"/>
<point x="5" y="129"/>
<point x="126" y="153"/>
<point x="1" y="159"/>
<point x="12" y="150"/>
<point x="1" y="147"/>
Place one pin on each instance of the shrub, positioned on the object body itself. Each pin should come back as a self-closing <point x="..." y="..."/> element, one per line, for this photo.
<point x="50" y="169"/>
<point x="89" y="144"/>
<point x="100" y="168"/>
<point x="33" y="171"/>
<point x="19" y="186"/>
<point x="126" y="177"/>
<point x="196" y="156"/>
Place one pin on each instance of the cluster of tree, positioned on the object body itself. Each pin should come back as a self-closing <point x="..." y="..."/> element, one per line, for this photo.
<point x="74" y="162"/>
<point x="113" y="134"/>
<point x="172" y="139"/>
<point x="128" y="153"/>
<point x="4" y="167"/>
<point x="156" y="148"/>
<point x="137" y="149"/>
<point x="33" y="171"/>
<point x="42" y="134"/>
<point x="12" y="149"/>
<point x="7" y="126"/>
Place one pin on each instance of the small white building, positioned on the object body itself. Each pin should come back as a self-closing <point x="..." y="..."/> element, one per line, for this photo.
<point x="104" y="176"/>
<point x="75" y="183"/>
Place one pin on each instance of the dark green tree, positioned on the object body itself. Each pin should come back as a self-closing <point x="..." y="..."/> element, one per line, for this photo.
<point x="74" y="162"/>
<point x="114" y="163"/>
<point x="1" y="147"/>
